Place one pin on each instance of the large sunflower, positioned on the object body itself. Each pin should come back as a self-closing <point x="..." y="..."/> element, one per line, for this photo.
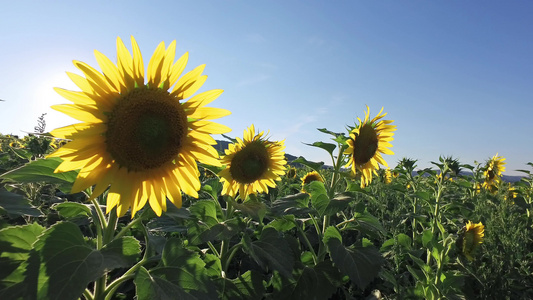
<point x="493" y="172"/>
<point x="252" y="165"/>
<point x="136" y="134"/>
<point x="368" y="140"/>
<point x="470" y="238"/>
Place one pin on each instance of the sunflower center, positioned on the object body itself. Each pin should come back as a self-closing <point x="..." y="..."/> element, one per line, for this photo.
<point x="365" y="145"/>
<point x="250" y="163"/>
<point x="310" y="178"/>
<point x="146" y="129"/>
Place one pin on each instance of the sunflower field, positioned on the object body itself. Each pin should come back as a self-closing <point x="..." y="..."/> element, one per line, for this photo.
<point x="138" y="201"/>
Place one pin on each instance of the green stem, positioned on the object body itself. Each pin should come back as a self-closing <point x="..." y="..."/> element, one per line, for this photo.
<point x="87" y="294"/>
<point x="232" y="252"/>
<point x="100" y="223"/>
<point x="111" y="288"/>
<point x="111" y="226"/>
<point x="307" y="243"/>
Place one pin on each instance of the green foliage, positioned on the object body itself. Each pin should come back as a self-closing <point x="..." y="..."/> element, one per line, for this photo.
<point x="336" y="241"/>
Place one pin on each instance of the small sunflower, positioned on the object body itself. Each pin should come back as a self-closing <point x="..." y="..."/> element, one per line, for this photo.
<point x="470" y="239"/>
<point x="366" y="144"/>
<point x="493" y="172"/>
<point x="387" y="176"/>
<point x="137" y="134"/>
<point x="310" y="177"/>
<point x="291" y="172"/>
<point x="252" y="165"/>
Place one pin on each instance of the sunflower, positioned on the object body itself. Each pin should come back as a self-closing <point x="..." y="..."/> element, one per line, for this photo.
<point x="493" y="172"/>
<point x="470" y="239"/>
<point x="137" y="135"/>
<point x="387" y="176"/>
<point x="366" y="143"/>
<point x="310" y="177"/>
<point x="252" y="165"/>
<point x="291" y="172"/>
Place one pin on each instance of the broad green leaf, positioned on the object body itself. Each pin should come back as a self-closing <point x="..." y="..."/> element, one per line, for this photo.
<point x="271" y="252"/>
<point x="427" y="237"/>
<point x="213" y="187"/>
<point x="319" y="197"/>
<point x="361" y="264"/>
<point x="185" y="269"/>
<point x="248" y="286"/>
<point x="404" y="240"/>
<point x="282" y="224"/>
<point x="308" y="283"/>
<point x="297" y="205"/>
<point x="205" y="211"/>
<point x="70" y="210"/>
<point x="121" y="253"/>
<point x="253" y="207"/>
<point x="68" y="263"/>
<point x="42" y="170"/>
<point x="150" y="287"/>
<point x="326" y="146"/>
<point x="313" y="165"/>
<point x="15" y="204"/>
<point x="224" y="230"/>
<point x="15" y="246"/>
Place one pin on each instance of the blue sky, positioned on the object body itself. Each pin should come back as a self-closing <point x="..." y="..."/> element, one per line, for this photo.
<point x="456" y="76"/>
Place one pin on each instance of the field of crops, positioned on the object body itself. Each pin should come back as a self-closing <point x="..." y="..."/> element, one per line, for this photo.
<point x="135" y="202"/>
<point x="316" y="235"/>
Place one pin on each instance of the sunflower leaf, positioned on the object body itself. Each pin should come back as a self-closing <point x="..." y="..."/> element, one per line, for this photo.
<point x="326" y="146"/>
<point x="150" y="287"/>
<point x="246" y="286"/>
<point x="271" y="252"/>
<point x="361" y="264"/>
<point x="15" y="204"/>
<point x="313" y="165"/>
<point x="42" y="170"/>
<point x="68" y="263"/>
<point x="16" y="248"/>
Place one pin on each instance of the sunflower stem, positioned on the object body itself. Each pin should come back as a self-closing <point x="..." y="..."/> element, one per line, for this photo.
<point x="101" y="226"/>
<point x="307" y="242"/>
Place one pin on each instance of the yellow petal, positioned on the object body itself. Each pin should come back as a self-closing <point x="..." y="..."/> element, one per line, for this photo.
<point x="84" y="113"/>
<point x="209" y="113"/>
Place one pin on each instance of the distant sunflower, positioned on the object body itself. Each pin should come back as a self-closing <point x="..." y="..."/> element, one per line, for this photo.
<point x="493" y="172"/>
<point x="137" y="134"/>
<point x="252" y="165"/>
<point x="387" y="176"/>
<point x="366" y="144"/>
<point x="310" y="177"/>
<point x="291" y="172"/>
<point x="470" y="239"/>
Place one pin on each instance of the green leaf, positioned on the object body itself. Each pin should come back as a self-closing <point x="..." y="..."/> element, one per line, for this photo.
<point x="282" y="224"/>
<point x="253" y="207"/>
<point x="271" y="252"/>
<point x="427" y="237"/>
<point x="71" y="210"/>
<point x="121" y="253"/>
<point x="247" y="286"/>
<point x="319" y="197"/>
<point x="313" y="165"/>
<point x="292" y="205"/>
<point x="15" y="204"/>
<point x="310" y="283"/>
<point x="361" y="264"/>
<point x="326" y="146"/>
<point x="223" y="230"/>
<point x="205" y="211"/>
<point x="185" y="269"/>
<point x="68" y="263"/>
<point x="150" y="287"/>
<point x="15" y="246"/>
<point x="404" y="240"/>
<point x="42" y="170"/>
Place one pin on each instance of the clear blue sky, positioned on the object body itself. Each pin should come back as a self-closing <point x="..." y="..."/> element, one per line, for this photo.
<point x="456" y="76"/>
